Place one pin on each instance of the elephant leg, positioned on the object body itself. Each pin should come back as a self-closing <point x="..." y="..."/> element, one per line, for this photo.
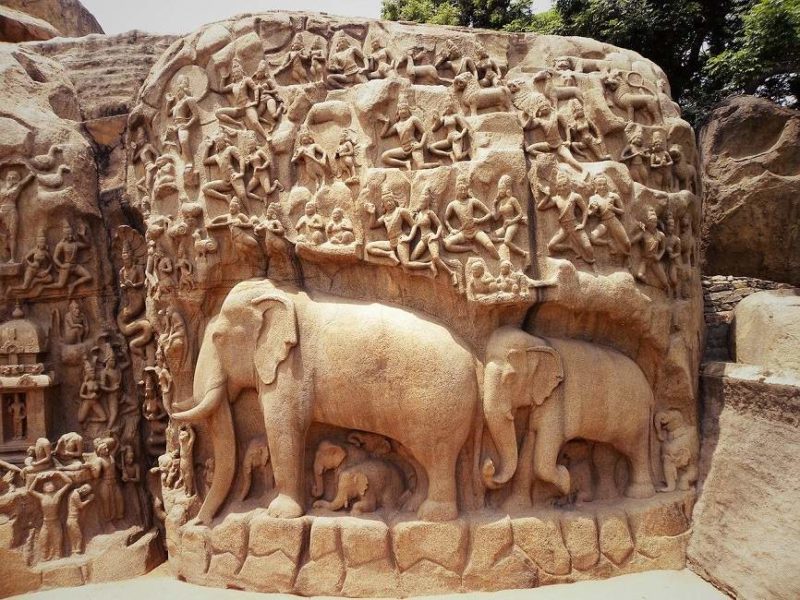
<point x="367" y="504"/>
<point x="638" y="452"/>
<point x="441" y="504"/>
<point x="286" y="428"/>
<point x="605" y="462"/>
<point x="545" y="457"/>
<point x="520" y="497"/>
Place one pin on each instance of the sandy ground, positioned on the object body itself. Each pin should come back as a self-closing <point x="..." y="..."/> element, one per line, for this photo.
<point x="653" y="585"/>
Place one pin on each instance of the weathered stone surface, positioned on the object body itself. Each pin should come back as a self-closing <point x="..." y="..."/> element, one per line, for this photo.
<point x="16" y="26"/>
<point x="541" y="540"/>
<point x="442" y="543"/>
<point x="495" y="563"/>
<point x="767" y="327"/>
<point x="364" y="541"/>
<point x="231" y="535"/>
<point x="269" y="535"/>
<point x="272" y="573"/>
<point x="745" y="530"/>
<point x="751" y="176"/>
<point x="615" y="539"/>
<point x="67" y="18"/>
<point x="580" y="538"/>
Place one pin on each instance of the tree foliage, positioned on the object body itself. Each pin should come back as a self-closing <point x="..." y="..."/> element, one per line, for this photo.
<point x="707" y="48"/>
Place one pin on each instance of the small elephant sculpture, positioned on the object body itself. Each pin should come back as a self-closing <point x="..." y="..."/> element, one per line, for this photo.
<point x="256" y="458"/>
<point x="679" y="447"/>
<point x="331" y="456"/>
<point x="575" y="390"/>
<point x="373" y="484"/>
<point x="576" y="455"/>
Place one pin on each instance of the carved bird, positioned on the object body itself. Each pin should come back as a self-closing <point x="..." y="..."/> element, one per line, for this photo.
<point x="53" y="180"/>
<point x="46" y="162"/>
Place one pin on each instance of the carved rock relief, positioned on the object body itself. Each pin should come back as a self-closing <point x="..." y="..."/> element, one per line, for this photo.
<point x="392" y="279"/>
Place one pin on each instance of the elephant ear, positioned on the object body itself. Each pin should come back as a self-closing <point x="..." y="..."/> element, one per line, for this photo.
<point x="278" y="333"/>
<point x="546" y="372"/>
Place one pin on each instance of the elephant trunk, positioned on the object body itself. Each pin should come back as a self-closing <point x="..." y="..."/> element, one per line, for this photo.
<point x="318" y="486"/>
<point x="500" y="421"/>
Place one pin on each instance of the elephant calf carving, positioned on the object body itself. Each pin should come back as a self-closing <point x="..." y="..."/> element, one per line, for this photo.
<point x="374" y="484"/>
<point x="355" y="365"/>
<point x="575" y="390"/>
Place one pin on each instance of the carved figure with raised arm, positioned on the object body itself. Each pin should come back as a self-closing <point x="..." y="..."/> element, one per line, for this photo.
<point x="10" y="191"/>
<point x="652" y="244"/>
<point x="636" y="155"/>
<point x="380" y="62"/>
<point x="184" y="114"/>
<point x="244" y="97"/>
<point x="346" y="65"/>
<point x="455" y="145"/>
<point x="412" y="136"/>
<point x="296" y="62"/>
<point x="261" y="161"/>
<point x="66" y="259"/>
<point x="607" y="206"/>
<point x="547" y="119"/>
<point x="392" y="219"/>
<point x="77" y="502"/>
<point x="431" y="231"/>
<point x="51" y="533"/>
<point x="571" y="235"/>
<point x="583" y="136"/>
<point x="231" y="165"/>
<point x="345" y="157"/>
<point x="467" y="236"/>
<point x="38" y="266"/>
<point x="311" y="160"/>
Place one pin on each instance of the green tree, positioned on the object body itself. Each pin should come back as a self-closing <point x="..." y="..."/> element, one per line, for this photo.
<point x="488" y="14"/>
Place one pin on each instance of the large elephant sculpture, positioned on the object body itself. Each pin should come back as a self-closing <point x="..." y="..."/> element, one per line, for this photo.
<point x="318" y="358"/>
<point x="575" y="390"/>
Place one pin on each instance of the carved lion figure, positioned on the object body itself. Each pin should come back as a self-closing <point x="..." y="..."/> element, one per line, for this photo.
<point x="473" y="97"/>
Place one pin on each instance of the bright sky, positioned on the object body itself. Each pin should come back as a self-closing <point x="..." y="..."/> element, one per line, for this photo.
<point x="184" y="16"/>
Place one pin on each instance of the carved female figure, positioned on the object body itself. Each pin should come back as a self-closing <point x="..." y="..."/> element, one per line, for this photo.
<point x="488" y="71"/>
<point x="506" y="208"/>
<point x="311" y="226"/>
<point x="635" y="155"/>
<point x="548" y="121"/>
<point x="270" y="105"/>
<point x="457" y="130"/>
<point x="430" y="229"/>
<point x="481" y="282"/>
<point x="660" y="163"/>
<point x="38" y="266"/>
<point x="10" y="191"/>
<point x="653" y="246"/>
<point x="607" y="206"/>
<point x="571" y="235"/>
<point x="75" y="325"/>
<point x="261" y="161"/>
<point x="311" y="159"/>
<point x="89" y="394"/>
<point x="583" y="137"/>
<point x="468" y="235"/>
<point x="672" y="248"/>
<point x="408" y="128"/>
<point x="245" y="99"/>
<point x="111" y="385"/>
<point x="104" y="468"/>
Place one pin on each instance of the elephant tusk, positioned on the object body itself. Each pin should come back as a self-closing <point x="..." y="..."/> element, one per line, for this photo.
<point x="205" y="408"/>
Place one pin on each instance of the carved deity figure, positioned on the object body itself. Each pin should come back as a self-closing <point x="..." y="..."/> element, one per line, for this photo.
<point x="243" y="94"/>
<point x="17" y="410"/>
<point x="186" y="446"/>
<point x="571" y="235"/>
<point x="467" y="236"/>
<point x="90" y="408"/>
<point x="75" y="325"/>
<point x="660" y="163"/>
<point x="66" y="259"/>
<point x="345" y="157"/>
<point x="583" y="137"/>
<point x="230" y="165"/>
<point x="270" y="105"/>
<point x="636" y="155"/>
<point x="261" y="161"/>
<point x="184" y="114"/>
<point x="380" y="62"/>
<point x="481" y="283"/>
<point x="678" y="450"/>
<point x="244" y="245"/>
<point x="672" y="249"/>
<point x="607" y="206"/>
<point x="38" y="266"/>
<point x="51" y="534"/>
<point x="10" y="191"/>
<point x="455" y="144"/>
<point x="296" y="62"/>
<point x="104" y="468"/>
<point x="392" y="220"/>
<point x="506" y="208"/>
<point x="346" y="66"/>
<point x="653" y="245"/>
<point x="412" y="135"/>
<point x="489" y="72"/>
<point x="110" y="381"/>
<point x="78" y="500"/>
<point x="431" y="229"/>
<point x="166" y="177"/>
<point x="339" y="229"/>
<point x="311" y="226"/>
<point x="548" y="120"/>
<point x="311" y="160"/>
<point x="165" y="380"/>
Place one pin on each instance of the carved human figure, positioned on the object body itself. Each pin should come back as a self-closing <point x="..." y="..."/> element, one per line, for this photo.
<point x="18" y="413"/>
<point x="607" y="206"/>
<point x="69" y="452"/>
<point x="371" y="484"/>
<point x="679" y="447"/>
<point x="131" y="474"/>
<point x="481" y="283"/>
<point x="635" y="155"/>
<point x="431" y="230"/>
<point x="311" y="160"/>
<point x="160" y="272"/>
<point x="110" y="382"/>
<point x="548" y="120"/>
<point x="453" y="59"/>
<point x="244" y="245"/>
<point x="78" y="500"/>
<point x="311" y="226"/>
<point x="454" y="145"/>
<point x="687" y="243"/>
<point x="184" y="114"/>
<point x="345" y="157"/>
<point x="270" y="105"/>
<point x="66" y="259"/>
<point x="684" y="175"/>
<point x="75" y="325"/>
<point x="380" y="62"/>
<point x="467" y="236"/>
<point x="10" y="191"/>
<point x="652" y="245"/>
<point x="672" y="250"/>
<point x="392" y="219"/>
<point x="256" y="459"/>
<point x="488" y="71"/>
<point x="90" y="408"/>
<point x="412" y="136"/>
<point x="506" y="208"/>
<point x="339" y="229"/>
<point x="186" y="438"/>
<point x="51" y="534"/>
<point x="38" y="266"/>
<point x="104" y="468"/>
<point x="583" y="136"/>
<point x="571" y="235"/>
<point x="346" y="65"/>
<point x="295" y="63"/>
<point x="243" y="94"/>
<point x="40" y="457"/>
<point x="231" y="165"/>
<point x="660" y="163"/>
<point x="261" y="161"/>
<point x="166" y="177"/>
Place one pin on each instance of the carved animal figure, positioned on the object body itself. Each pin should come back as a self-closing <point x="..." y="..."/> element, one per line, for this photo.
<point x="414" y="71"/>
<point x="373" y="483"/>
<point x="524" y="98"/>
<point x="314" y="357"/>
<point x="329" y="111"/>
<point x="555" y="92"/>
<point x="631" y="98"/>
<point x="256" y="458"/>
<point x="473" y="97"/>
<point x="576" y="390"/>
<point x="679" y="449"/>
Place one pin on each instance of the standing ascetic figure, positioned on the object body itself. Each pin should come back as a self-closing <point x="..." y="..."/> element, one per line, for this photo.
<point x="185" y="114"/>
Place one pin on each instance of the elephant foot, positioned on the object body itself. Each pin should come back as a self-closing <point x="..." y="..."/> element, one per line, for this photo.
<point x="640" y="490"/>
<point x="432" y="510"/>
<point x="284" y="507"/>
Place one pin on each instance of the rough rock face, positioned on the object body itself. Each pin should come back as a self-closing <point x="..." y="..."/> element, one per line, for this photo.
<point x="767" y="327"/>
<point x="354" y="234"/>
<point x="751" y="177"/>
<point x="26" y="20"/>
